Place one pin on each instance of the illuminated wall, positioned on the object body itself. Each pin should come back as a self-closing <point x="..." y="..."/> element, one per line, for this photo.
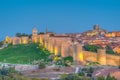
<point x="7" y="39"/>
<point x="45" y="44"/>
<point x="24" y="40"/>
<point x="90" y="56"/>
<point x="112" y="60"/>
<point x="35" y="40"/>
<point x="63" y="51"/>
<point x="41" y="40"/>
<point x="52" y="44"/>
<point x="51" y="48"/>
<point x="16" y="40"/>
<point x="102" y="56"/>
<point x="81" y="56"/>
<point x="78" y="52"/>
<point x="48" y="44"/>
<point x="56" y="50"/>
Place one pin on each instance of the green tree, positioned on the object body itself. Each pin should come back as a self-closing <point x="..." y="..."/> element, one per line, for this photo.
<point x="91" y="48"/>
<point x="110" y="78"/>
<point x="41" y="33"/>
<point x="18" y="34"/>
<point x="91" y="70"/>
<point x="109" y="50"/>
<point x="21" y="34"/>
<point x="100" y="78"/>
<point x="81" y="74"/>
<point x="69" y="58"/>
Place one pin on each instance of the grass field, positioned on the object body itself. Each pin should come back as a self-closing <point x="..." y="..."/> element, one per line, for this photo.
<point x="23" y="54"/>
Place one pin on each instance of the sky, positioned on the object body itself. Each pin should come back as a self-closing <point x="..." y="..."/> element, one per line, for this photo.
<point x="60" y="16"/>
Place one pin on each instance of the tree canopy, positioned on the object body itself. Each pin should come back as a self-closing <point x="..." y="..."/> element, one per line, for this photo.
<point x="21" y="34"/>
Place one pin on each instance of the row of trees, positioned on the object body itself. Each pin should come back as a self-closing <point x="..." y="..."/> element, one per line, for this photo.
<point x="24" y="34"/>
<point x="93" y="48"/>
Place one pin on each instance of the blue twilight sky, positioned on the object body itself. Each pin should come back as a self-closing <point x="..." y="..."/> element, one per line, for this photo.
<point x="60" y="16"/>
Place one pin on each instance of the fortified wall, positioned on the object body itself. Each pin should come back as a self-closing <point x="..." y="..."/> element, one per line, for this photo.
<point x="17" y="40"/>
<point x="63" y="45"/>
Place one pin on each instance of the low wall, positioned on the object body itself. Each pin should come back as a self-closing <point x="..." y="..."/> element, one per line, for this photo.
<point x="25" y="67"/>
<point x="19" y="67"/>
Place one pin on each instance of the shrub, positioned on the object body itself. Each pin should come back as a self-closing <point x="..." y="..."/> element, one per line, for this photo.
<point x="56" y="69"/>
<point x="68" y="63"/>
<point x="110" y="78"/>
<point x="89" y="74"/>
<point x="81" y="74"/>
<point x="44" y="79"/>
<point x="69" y="58"/>
<point x="100" y="78"/>
<point x="91" y="70"/>
<point x="63" y="76"/>
<point x="41" y="65"/>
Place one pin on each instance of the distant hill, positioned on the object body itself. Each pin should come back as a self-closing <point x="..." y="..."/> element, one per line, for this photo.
<point x="23" y="54"/>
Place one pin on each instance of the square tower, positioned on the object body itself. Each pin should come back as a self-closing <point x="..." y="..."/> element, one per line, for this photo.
<point x="35" y="35"/>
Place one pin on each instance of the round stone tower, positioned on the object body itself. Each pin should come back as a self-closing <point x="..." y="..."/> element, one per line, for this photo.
<point x="78" y="53"/>
<point x="102" y="56"/>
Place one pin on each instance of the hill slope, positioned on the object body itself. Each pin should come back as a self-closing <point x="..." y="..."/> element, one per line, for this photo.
<point x="22" y="54"/>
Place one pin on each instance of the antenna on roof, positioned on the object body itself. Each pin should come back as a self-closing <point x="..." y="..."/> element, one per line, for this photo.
<point x="46" y="30"/>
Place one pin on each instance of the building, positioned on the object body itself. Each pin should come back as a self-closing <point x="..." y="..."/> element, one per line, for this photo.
<point x="113" y="34"/>
<point x="96" y="31"/>
<point x="117" y="49"/>
<point x="35" y="35"/>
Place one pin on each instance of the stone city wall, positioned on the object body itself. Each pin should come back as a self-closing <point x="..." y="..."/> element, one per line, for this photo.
<point x="112" y="60"/>
<point x="65" y="47"/>
<point x="90" y="56"/>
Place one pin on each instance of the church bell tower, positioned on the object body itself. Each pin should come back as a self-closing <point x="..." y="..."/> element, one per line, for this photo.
<point x="35" y="35"/>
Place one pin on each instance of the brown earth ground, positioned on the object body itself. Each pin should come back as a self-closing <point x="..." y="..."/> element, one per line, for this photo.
<point x="48" y="72"/>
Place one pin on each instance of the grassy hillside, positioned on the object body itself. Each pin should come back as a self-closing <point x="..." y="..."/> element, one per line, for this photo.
<point x="23" y="53"/>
